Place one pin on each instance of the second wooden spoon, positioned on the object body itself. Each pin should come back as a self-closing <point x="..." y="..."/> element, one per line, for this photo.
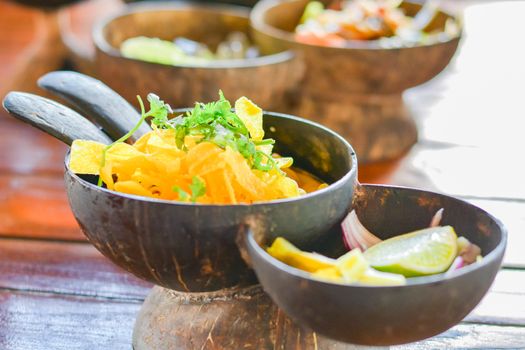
<point x="95" y="100"/>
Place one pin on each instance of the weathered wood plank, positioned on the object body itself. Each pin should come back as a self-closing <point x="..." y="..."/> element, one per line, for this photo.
<point x="466" y="336"/>
<point x="481" y="172"/>
<point x="36" y="206"/>
<point x="30" y="45"/>
<point x="38" y="321"/>
<point x="509" y="281"/>
<point x="32" y="321"/>
<point x="66" y="268"/>
<point x="500" y="308"/>
<point x="505" y="302"/>
<point x="26" y="150"/>
<point x="512" y="214"/>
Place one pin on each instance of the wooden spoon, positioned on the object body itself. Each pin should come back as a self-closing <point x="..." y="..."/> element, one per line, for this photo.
<point x="52" y="118"/>
<point x="95" y="100"/>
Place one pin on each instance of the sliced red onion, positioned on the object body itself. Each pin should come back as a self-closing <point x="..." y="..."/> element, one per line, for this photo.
<point x="345" y="241"/>
<point x="456" y="265"/>
<point x="349" y="240"/>
<point x="355" y="235"/>
<point x="468" y="251"/>
<point x="436" y="219"/>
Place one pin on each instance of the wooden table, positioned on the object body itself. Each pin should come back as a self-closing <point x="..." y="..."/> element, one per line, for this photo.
<point x="58" y="292"/>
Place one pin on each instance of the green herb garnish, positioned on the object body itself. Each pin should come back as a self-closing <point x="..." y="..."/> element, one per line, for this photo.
<point x="197" y="188"/>
<point x="158" y="111"/>
<point x="217" y="123"/>
<point x="183" y="195"/>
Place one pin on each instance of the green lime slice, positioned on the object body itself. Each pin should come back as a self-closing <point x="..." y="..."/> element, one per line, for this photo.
<point x="312" y="10"/>
<point x="418" y="253"/>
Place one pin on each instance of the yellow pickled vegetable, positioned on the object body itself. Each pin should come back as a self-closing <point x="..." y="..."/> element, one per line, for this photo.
<point x="373" y="277"/>
<point x="330" y="274"/>
<point x="286" y="252"/>
<point x="252" y="117"/>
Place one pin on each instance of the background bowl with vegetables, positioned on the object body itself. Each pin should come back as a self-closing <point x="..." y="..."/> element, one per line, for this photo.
<point x="186" y="52"/>
<point x="355" y="86"/>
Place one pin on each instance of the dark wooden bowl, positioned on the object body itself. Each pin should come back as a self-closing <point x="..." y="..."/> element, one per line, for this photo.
<point x="265" y="79"/>
<point x="390" y="315"/>
<point x="356" y="90"/>
<point x="191" y="247"/>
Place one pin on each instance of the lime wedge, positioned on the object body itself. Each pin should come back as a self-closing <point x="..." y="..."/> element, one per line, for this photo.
<point x="152" y="50"/>
<point x="312" y="10"/>
<point x="419" y="253"/>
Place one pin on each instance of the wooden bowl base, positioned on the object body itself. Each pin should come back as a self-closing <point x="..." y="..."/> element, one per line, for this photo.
<point x="238" y="318"/>
<point x="379" y="127"/>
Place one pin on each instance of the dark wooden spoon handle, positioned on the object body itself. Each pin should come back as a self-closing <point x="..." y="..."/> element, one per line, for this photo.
<point x="52" y="118"/>
<point x="95" y="100"/>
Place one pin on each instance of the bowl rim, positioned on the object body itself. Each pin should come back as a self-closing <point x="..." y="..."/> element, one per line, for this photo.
<point x="104" y="46"/>
<point x="259" y="24"/>
<point x="488" y="259"/>
<point x="333" y="186"/>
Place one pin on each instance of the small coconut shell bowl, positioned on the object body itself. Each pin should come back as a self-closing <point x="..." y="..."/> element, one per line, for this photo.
<point x="425" y="307"/>
<point x="356" y="90"/>
<point x="269" y="77"/>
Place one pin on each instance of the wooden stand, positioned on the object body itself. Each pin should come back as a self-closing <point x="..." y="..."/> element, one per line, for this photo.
<point x="238" y="318"/>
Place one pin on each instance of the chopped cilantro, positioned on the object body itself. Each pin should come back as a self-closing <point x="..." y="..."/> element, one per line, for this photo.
<point x="183" y="195"/>
<point x="217" y="123"/>
<point x="197" y="188"/>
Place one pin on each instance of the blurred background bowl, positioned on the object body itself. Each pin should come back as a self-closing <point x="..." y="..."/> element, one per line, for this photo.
<point x="266" y="79"/>
<point x="356" y="90"/>
<point x="50" y="4"/>
<point x="192" y="247"/>
<point x="248" y="3"/>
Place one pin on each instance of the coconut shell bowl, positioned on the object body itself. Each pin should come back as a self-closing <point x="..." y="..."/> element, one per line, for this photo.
<point x="356" y="90"/>
<point x="207" y="260"/>
<point x="270" y="77"/>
